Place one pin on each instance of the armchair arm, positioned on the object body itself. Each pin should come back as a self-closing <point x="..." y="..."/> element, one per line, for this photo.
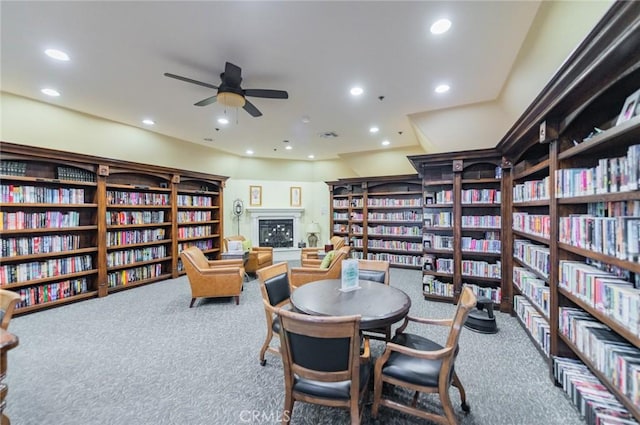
<point x="425" y="321"/>
<point x="223" y="270"/>
<point x="226" y="263"/>
<point x="311" y="262"/>
<point x="262" y="248"/>
<point x="429" y="355"/>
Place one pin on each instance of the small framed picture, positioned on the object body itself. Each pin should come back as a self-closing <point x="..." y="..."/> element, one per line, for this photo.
<point x="629" y="107"/>
<point x="255" y="196"/>
<point x="295" y="196"/>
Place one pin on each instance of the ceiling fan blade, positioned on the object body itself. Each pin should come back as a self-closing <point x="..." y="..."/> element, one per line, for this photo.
<point x="231" y="76"/>
<point x="270" y="94"/>
<point x="251" y="109"/>
<point x="189" y="80"/>
<point x="207" y="101"/>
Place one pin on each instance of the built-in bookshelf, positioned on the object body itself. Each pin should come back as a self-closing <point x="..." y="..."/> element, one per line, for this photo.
<point x="381" y="218"/>
<point x="74" y="227"/>
<point x="462" y="228"/>
<point x="574" y="220"/>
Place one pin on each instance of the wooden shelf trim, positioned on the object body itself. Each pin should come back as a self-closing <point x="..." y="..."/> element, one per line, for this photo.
<point x="533" y="169"/>
<point x="197" y="207"/>
<point x="436" y="297"/>
<point x="137" y="207"/>
<point x="136" y="245"/>
<point x="604" y="197"/>
<point x="47" y="230"/>
<point x="132" y="226"/>
<point x="45" y="180"/>
<point x="141" y="188"/>
<point x="73" y="298"/>
<point x="634" y="267"/>
<point x="139" y="283"/>
<point x="536" y="203"/>
<point x="536" y="238"/>
<point x="23" y="205"/>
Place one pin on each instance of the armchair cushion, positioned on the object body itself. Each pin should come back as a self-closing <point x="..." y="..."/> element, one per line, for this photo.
<point x="326" y="261"/>
<point x="412" y="369"/>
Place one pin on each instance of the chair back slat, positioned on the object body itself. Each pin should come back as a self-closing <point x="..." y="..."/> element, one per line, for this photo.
<point x="466" y="302"/>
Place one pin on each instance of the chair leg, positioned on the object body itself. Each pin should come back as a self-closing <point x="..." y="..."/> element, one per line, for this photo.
<point x="288" y="409"/>
<point x="192" y="301"/>
<point x="237" y="299"/>
<point x="377" y="395"/>
<point x="265" y="347"/>
<point x="414" y="402"/>
<point x="447" y="407"/>
<point x="463" y="395"/>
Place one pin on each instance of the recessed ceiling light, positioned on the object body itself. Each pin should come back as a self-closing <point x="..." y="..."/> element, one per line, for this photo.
<point x="148" y="122"/>
<point x="357" y="91"/>
<point x="374" y="129"/>
<point x="288" y="147"/>
<point x="442" y="88"/>
<point x="440" y="26"/>
<point x="249" y="152"/>
<point x="50" y="92"/>
<point x="386" y="143"/>
<point x="57" y="54"/>
<point x="223" y="121"/>
<point x="311" y="156"/>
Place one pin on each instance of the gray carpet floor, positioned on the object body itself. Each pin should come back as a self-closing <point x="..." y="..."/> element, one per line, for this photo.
<point x="143" y="357"/>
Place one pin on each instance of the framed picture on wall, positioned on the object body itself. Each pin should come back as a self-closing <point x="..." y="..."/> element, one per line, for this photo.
<point x="255" y="196"/>
<point x="295" y="196"/>
<point x="629" y="108"/>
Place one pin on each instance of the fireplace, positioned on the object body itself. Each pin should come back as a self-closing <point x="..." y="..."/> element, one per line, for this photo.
<point x="275" y="232"/>
<point x="276" y="227"/>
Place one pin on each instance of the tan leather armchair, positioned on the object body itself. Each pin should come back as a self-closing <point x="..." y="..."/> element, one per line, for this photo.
<point x="309" y="256"/>
<point x="298" y="276"/>
<point x="212" y="278"/>
<point x="259" y="256"/>
<point x="8" y="301"/>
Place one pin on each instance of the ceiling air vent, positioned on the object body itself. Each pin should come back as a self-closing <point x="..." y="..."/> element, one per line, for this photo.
<point x="328" y="135"/>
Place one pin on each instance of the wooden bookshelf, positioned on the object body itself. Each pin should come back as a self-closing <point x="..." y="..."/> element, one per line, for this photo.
<point x="99" y="225"/>
<point x="380" y="217"/>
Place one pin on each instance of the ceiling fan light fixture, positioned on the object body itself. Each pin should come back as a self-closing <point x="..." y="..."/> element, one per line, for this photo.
<point x="231" y="100"/>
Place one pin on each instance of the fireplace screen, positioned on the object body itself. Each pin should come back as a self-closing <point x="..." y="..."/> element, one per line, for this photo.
<point x="276" y="233"/>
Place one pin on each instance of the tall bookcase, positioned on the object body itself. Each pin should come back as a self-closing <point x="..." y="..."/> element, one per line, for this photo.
<point x="574" y="217"/>
<point x="462" y="229"/>
<point x="75" y="226"/>
<point x="380" y="217"/>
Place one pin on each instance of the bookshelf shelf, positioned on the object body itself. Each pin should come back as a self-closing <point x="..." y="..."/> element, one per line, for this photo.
<point x="22" y="258"/>
<point x="47" y="230"/>
<point x="536" y="238"/>
<point x="60" y="277"/>
<point x="56" y="303"/>
<point x="138" y="263"/>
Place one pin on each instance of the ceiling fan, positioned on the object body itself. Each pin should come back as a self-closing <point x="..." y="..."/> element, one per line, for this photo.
<point x="230" y="93"/>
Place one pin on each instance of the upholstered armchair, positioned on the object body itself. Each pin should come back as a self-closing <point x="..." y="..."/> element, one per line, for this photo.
<point x="309" y="256"/>
<point x="212" y="278"/>
<point x="259" y="256"/>
<point x="8" y="301"/>
<point x="298" y="276"/>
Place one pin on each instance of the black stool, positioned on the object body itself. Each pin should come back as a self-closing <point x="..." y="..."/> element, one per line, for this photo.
<point x="482" y="319"/>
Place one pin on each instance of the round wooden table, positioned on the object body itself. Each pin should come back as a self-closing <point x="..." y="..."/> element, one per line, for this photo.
<point x="378" y="304"/>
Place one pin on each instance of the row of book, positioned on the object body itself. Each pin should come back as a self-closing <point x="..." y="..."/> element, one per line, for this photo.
<point x="395" y="230"/>
<point x="128" y="237"/>
<point x="620" y="174"/>
<point x="34" y="245"/>
<point x="395" y="216"/>
<point x="630" y="207"/>
<point x="532" y="224"/>
<point x="480" y="245"/>
<point x="480" y="196"/>
<point x="439" y="265"/>
<point x="394" y="202"/>
<point x="484" y="221"/>
<point x="342" y="228"/>
<point x="117" y="197"/>
<point x="432" y="285"/>
<point x="134" y="217"/>
<point x="194" y="231"/>
<point x="614" y="236"/>
<point x="51" y="292"/>
<point x="533" y="255"/>
<point x="596" y="404"/>
<point x="194" y="201"/>
<point x="340" y="203"/>
<point x="537" y="325"/>
<point x="358" y="216"/>
<point x="340" y="216"/>
<point x="75" y="174"/>
<point x="603" y="291"/>
<point x="472" y="268"/>
<point x="20" y="220"/>
<point x="402" y="260"/>
<point x="40" y="195"/>
<point x="394" y="245"/>
<point x="434" y="241"/>
<point x="610" y="354"/>
<point x="192" y="216"/>
<point x="124" y="277"/>
<point x="128" y="256"/>
<point x="533" y="190"/>
<point x="494" y="294"/>
<point x="23" y="272"/>
<point x="204" y="245"/>
<point x="13" y="168"/>
<point x="440" y="219"/>
<point x="534" y="288"/>
<point x="440" y="197"/>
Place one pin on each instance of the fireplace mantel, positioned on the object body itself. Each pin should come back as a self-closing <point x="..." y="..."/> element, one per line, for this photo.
<point x="276" y="213"/>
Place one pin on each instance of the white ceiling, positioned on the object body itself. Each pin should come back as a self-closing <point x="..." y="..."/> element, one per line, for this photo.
<point x="315" y="50"/>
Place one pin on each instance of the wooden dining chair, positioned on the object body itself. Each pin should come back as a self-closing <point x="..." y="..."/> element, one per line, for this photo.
<point x="274" y="286"/>
<point x="424" y="366"/>
<point x="323" y="363"/>
<point x="8" y="301"/>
